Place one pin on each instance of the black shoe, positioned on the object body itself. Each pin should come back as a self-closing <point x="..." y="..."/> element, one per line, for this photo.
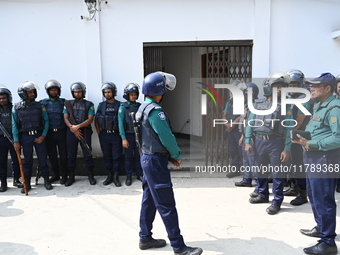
<point x="338" y="188"/>
<point x="299" y="200"/>
<point x="321" y="248"/>
<point x="293" y="191"/>
<point x="108" y="179"/>
<point x="273" y="209"/>
<point x="233" y="174"/>
<point x="258" y="200"/>
<point x="255" y="193"/>
<point x="155" y="243"/>
<point x="140" y="177"/>
<point x="63" y="179"/>
<point x="116" y="180"/>
<point x="54" y="178"/>
<point x="243" y="184"/>
<point x="17" y="183"/>
<point x="70" y="181"/>
<point x="190" y="251"/>
<point x="128" y="181"/>
<point x="3" y="186"/>
<point x="47" y="183"/>
<point x="314" y="232"/>
<point x="28" y="185"/>
<point x="92" y="180"/>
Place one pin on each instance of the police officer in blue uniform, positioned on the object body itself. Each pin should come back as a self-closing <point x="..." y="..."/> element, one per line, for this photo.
<point x="81" y="113"/>
<point x="297" y="179"/>
<point x="248" y="158"/>
<point x="158" y="147"/>
<point x="107" y="128"/>
<point x="272" y="142"/>
<point x="126" y="131"/>
<point x="321" y="160"/>
<point x="5" y="144"/>
<point x="233" y="135"/>
<point x="56" y="136"/>
<point x="30" y="126"/>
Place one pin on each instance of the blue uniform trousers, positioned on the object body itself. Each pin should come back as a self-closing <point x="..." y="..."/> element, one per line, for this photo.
<point x="133" y="149"/>
<point x="298" y="177"/>
<point x="72" y="149"/>
<point x="111" y="145"/>
<point x="321" y="189"/>
<point x="5" y="146"/>
<point x="158" y="195"/>
<point x="56" y="143"/>
<point x="234" y="148"/>
<point x="248" y="160"/>
<point x="268" y="154"/>
<point x="27" y="143"/>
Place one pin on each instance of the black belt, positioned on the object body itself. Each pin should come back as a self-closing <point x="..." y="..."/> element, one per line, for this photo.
<point x="32" y="132"/>
<point x="160" y="153"/>
<point x="266" y="137"/>
<point x="310" y="149"/>
<point x="110" y="131"/>
<point x="56" y="129"/>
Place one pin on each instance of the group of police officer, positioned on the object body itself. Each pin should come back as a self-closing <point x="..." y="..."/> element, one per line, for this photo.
<point x="54" y="126"/>
<point x="313" y="156"/>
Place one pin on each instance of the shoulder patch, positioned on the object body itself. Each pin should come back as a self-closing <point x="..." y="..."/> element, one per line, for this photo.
<point x="333" y="119"/>
<point x="161" y="115"/>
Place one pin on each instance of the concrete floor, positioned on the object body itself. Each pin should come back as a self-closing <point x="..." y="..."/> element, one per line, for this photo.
<point x="83" y="219"/>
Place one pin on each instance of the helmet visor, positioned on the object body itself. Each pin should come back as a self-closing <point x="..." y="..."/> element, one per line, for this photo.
<point x="170" y="80"/>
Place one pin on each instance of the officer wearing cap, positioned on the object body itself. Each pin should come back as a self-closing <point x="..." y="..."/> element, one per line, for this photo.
<point x="248" y="158"/>
<point x="106" y="124"/>
<point x="322" y="162"/>
<point x="81" y="113"/>
<point x="5" y="144"/>
<point x="272" y="142"/>
<point x="158" y="147"/>
<point x="233" y="135"/>
<point x="126" y="131"/>
<point x="56" y="136"/>
<point x="297" y="179"/>
<point x="30" y="126"/>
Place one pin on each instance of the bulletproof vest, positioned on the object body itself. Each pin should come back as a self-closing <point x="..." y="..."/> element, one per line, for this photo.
<point x="107" y="117"/>
<point x="268" y="126"/>
<point x="294" y="107"/>
<point x="55" y="114"/>
<point x="6" y="119"/>
<point x="307" y="118"/>
<point x="150" y="140"/>
<point x="230" y="112"/>
<point x="80" y="110"/>
<point x="30" y="117"/>
<point x="128" y="123"/>
<point x="243" y="121"/>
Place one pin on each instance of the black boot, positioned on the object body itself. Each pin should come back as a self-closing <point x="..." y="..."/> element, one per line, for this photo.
<point x="55" y="177"/>
<point x="47" y="183"/>
<point x="92" y="180"/>
<point x="116" y="180"/>
<point x="3" y="186"/>
<point x="70" y="179"/>
<point x="17" y="183"/>
<point x="109" y="178"/>
<point x="300" y="199"/>
<point x="63" y="179"/>
<point x="128" y="181"/>
<point x="28" y="185"/>
<point x="293" y="190"/>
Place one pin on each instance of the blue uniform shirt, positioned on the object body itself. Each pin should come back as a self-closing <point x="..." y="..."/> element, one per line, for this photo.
<point x="15" y="123"/>
<point x="324" y="125"/>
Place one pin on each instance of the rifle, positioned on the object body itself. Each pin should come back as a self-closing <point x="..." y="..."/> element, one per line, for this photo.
<point x="3" y="129"/>
<point x="136" y="130"/>
<point x="73" y="122"/>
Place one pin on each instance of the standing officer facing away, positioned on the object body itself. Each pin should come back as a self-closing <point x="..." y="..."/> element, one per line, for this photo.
<point x="56" y="136"/>
<point x="5" y="144"/>
<point x="158" y="147"/>
<point x="106" y="124"/>
<point x="126" y="131"/>
<point x="78" y="116"/>
<point x="30" y="126"/>
<point x="321" y="159"/>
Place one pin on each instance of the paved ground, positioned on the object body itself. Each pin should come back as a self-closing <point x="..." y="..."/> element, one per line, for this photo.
<point x="84" y="219"/>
